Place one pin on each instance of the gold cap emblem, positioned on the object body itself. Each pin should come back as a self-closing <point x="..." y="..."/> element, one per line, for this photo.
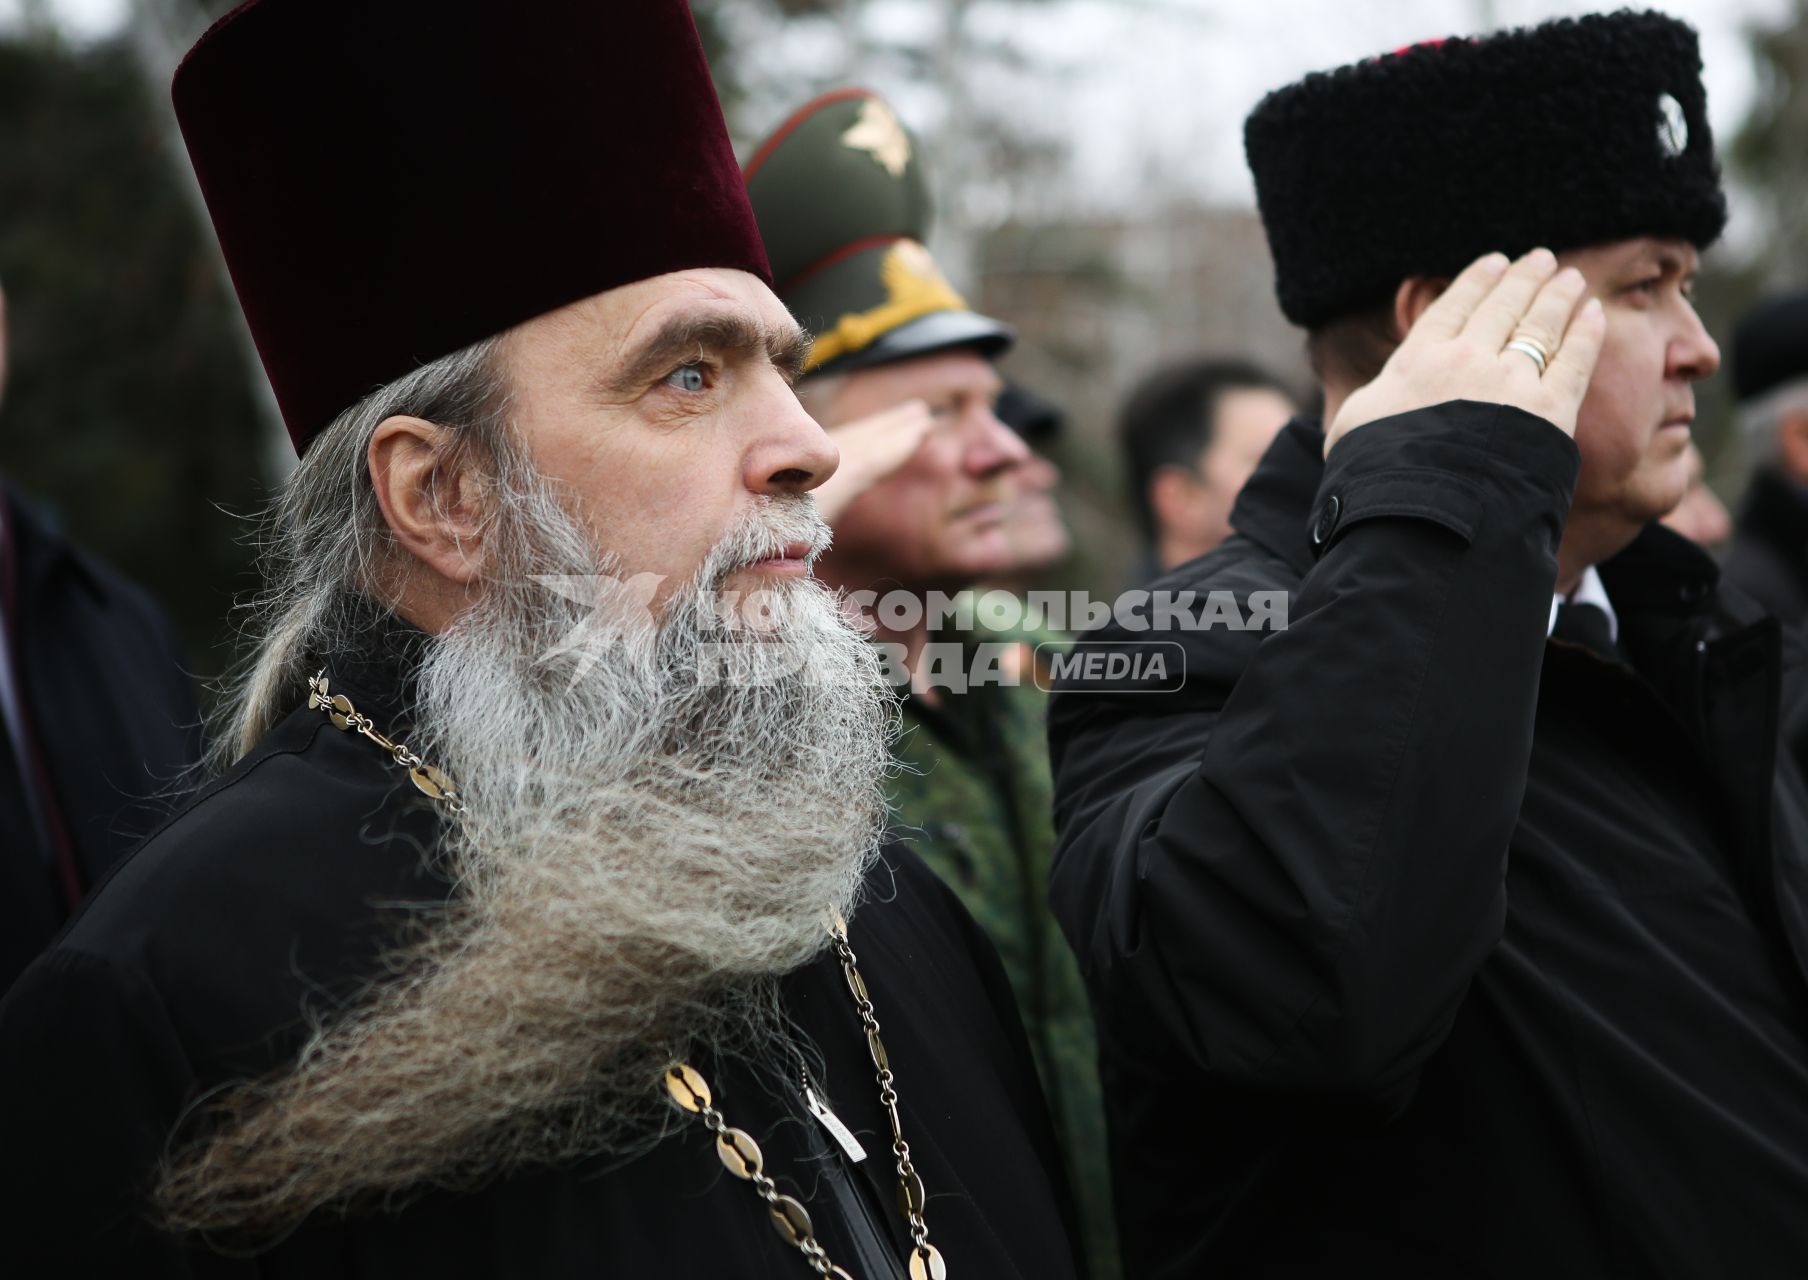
<point x="878" y="133"/>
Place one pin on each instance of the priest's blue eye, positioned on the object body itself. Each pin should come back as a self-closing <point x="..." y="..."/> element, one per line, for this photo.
<point x="687" y="377"/>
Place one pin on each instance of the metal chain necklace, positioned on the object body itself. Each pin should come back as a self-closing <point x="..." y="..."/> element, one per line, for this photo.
<point x="689" y="1091"/>
<point x="339" y="709"/>
<point x="741" y="1156"/>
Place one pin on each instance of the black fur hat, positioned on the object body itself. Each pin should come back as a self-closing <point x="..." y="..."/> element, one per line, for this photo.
<point x="1580" y="131"/>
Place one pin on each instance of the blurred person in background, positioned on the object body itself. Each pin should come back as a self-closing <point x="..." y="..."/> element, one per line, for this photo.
<point x="844" y="209"/>
<point x="1038" y="538"/>
<point x="1769" y="556"/>
<point x="538" y="920"/>
<point x="1033" y="526"/>
<point x="1701" y="516"/>
<point x="1459" y="927"/>
<point x="101" y="727"/>
<point x="1192" y="433"/>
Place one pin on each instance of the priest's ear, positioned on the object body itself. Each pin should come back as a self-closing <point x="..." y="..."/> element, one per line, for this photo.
<point x="432" y="496"/>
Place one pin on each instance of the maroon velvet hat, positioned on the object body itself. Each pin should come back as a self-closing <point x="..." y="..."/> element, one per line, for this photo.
<point x="392" y="180"/>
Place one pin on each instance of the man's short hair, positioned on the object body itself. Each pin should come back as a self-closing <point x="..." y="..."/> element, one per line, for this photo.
<point x="1350" y="350"/>
<point x="1171" y="416"/>
<point x="1762" y="416"/>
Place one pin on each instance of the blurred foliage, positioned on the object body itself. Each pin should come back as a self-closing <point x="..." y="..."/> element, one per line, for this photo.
<point x="1767" y="157"/>
<point x="127" y="402"/>
<point x="721" y="66"/>
<point x="1770" y="151"/>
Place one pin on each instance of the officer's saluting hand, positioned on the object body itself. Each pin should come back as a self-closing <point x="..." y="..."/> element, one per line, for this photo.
<point x="1463" y="346"/>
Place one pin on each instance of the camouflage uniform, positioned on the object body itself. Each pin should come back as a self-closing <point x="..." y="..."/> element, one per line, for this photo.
<point x="845" y="211"/>
<point x="975" y="800"/>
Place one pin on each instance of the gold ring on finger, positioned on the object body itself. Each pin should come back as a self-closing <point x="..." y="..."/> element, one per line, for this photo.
<point x="1531" y="351"/>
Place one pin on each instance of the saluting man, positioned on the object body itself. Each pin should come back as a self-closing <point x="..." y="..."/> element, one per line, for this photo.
<point x="1459" y="928"/>
<point x="844" y="206"/>
<point x="537" y="925"/>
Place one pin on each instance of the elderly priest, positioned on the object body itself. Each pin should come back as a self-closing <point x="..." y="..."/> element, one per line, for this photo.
<point x="538" y="922"/>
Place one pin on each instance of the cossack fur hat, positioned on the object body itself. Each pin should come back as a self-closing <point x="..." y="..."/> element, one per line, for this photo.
<point x="1577" y="132"/>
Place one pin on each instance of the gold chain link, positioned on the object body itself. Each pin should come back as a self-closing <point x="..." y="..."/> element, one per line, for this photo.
<point x="427" y="779"/>
<point x="910" y="1184"/>
<point x="739" y="1153"/>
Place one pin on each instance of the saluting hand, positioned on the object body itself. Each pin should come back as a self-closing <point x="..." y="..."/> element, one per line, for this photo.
<point x="1458" y="349"/>
<point x="871" y="448"/>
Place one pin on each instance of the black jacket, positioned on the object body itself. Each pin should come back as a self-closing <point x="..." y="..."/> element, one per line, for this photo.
<point x="271" y="897"/>
<point x="1424" y="946"/>
<point x="1768" y="559"/>
<point x="111" y="727"/>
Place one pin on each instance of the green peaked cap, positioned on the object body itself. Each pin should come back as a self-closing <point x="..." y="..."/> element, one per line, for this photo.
<point x="842" y="206"/>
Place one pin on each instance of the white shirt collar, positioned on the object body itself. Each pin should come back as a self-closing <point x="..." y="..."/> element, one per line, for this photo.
<point x="1590" y="590"/>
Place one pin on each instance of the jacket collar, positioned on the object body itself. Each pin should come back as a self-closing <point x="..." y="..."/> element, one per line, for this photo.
<point x="1275" y="507"/>
<point x="1661" y="574"/>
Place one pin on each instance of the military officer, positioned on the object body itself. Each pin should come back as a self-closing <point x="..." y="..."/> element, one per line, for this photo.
<point x="844" y="209"/>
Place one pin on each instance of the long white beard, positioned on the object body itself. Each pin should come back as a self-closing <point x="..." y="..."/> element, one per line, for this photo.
<point x="648" y="847"/>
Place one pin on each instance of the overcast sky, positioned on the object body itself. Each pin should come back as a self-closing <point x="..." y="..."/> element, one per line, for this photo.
<point x="1160" y="87"/>
<point x="85" y="17"/>
<point x="1207" y="62"/>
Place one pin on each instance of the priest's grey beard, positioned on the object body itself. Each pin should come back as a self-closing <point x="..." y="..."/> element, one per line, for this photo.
<point x="649" y="846"/>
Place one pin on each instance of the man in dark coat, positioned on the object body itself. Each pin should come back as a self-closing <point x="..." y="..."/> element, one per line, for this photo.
<point x="99" y="730"/>
<point x="1457" y="927"/>
<point x="1769" y="556"/>
<point x="538" y="923"/>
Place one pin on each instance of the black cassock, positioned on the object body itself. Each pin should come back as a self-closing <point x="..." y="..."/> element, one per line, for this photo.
<point x="270" y="900"/>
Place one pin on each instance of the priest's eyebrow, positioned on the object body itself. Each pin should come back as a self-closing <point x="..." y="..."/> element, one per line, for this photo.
<point x="686" y="337"/>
